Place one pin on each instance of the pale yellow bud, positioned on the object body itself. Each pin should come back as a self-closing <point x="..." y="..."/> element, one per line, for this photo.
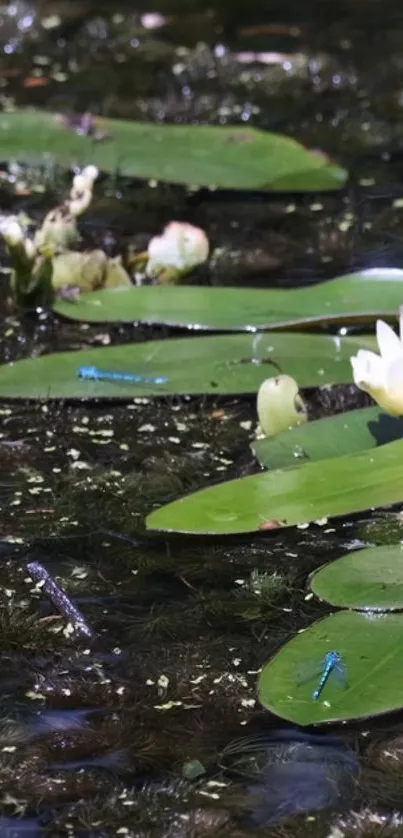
<point x="279" y="405"/>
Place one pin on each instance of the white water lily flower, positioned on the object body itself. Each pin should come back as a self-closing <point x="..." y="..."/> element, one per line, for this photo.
<point x="382" y="375"/>
<point x="181" y="246"/>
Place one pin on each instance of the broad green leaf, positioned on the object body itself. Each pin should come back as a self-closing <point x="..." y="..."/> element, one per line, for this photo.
<point x="363" y="296"/>
<point x="226" y="157"/>
<point x="216" y="364"/>
<point x="345" y="433"/>
<point x="371" y="647"/>
<point x="368" y="579"/>
<point x="273" y="499"/>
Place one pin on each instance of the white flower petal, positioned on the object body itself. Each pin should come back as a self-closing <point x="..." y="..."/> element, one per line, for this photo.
<point x="369" y="370"/>
<point x="389" y="344"/>
<point x="394" y="381"/>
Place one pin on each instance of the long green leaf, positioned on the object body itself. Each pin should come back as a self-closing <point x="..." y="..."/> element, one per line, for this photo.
<point x="371" y="647"/>
<point x="228" y="157"/>
<point x="355" y="297"/>
<point x="274" y="499"/>
<point x="216" y="364"/>
<point x="368" y="579"/>
<point x="345" y="433"/>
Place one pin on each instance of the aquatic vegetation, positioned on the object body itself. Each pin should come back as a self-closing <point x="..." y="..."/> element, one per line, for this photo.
<point x="215" y="365"/>
<point x="369" y="579"/>
<point x="369" y="641"/>
<point x="382" y="375"/>
<point x="31" y="270"/>
<point x="183" y="624"/>
<point x="235" y="157"/>
<point x="58" y="231"/>
<point x="279" y="405"/>
<point x="311" y="492"/>
<point x="77" y="272"/>
<point x="46" y="262"/>
<point x="333" y="436"/>
<point x="268" y="587"/>
<point x="359" y="297"/>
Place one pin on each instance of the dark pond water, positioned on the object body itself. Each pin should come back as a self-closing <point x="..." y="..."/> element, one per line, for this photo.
<point x="136" y="734"/>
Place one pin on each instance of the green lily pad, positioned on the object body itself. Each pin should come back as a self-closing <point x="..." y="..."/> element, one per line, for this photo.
<point x="345" y="433"/>
<point x="363" y="579"/>
<point x="282" y="498"/>
<point x="356" y="297"/>
<point x="370" y="646"/>
<point x="216" y="364"/>
<point x="200" y="155"/>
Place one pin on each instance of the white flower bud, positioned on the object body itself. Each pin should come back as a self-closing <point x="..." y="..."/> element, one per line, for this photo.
<point x="29" y="248"/>
<point x="279" y="405"/>
<point x="11" y="230"/>
<point x="90" y="173"/>
<point x="80" y="184"/>
<point x="181" y="246"/>
<point x="84" y="181"/>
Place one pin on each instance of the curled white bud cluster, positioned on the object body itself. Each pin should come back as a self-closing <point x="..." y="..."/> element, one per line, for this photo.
<point x="181" y="246"/>
<point x="81" y="190"/>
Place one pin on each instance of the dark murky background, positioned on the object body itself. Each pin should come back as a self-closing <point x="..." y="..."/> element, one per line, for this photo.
<point x="135" y="736"/>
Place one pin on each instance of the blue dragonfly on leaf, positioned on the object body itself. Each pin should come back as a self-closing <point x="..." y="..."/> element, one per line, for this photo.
<point x="331" y="666"/>
<point x="95" y="374"/>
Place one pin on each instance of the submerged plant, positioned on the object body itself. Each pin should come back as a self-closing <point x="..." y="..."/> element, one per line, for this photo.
<point x="267" y="586"/>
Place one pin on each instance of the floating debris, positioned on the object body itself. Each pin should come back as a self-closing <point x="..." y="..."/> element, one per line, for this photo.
<point x="62" y="602"/>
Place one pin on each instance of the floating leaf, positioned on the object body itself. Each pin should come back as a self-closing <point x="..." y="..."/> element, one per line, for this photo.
<point x="216" y="364"/>
<point x="345" y="433"/>
<point x="275" y="499"/>
<point x="225" y="157"/>
<point x="371" y="647"/>
<point x="362" y="296"/>
<point x="371" y="578"/>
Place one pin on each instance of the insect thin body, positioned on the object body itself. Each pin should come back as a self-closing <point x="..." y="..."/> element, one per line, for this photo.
<point x="95" y="374"/>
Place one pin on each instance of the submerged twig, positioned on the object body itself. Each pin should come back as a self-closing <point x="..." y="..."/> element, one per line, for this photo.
<point x="62" y="602"/>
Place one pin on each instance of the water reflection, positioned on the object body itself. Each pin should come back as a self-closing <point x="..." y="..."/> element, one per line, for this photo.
<point x="293" y="772"/>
